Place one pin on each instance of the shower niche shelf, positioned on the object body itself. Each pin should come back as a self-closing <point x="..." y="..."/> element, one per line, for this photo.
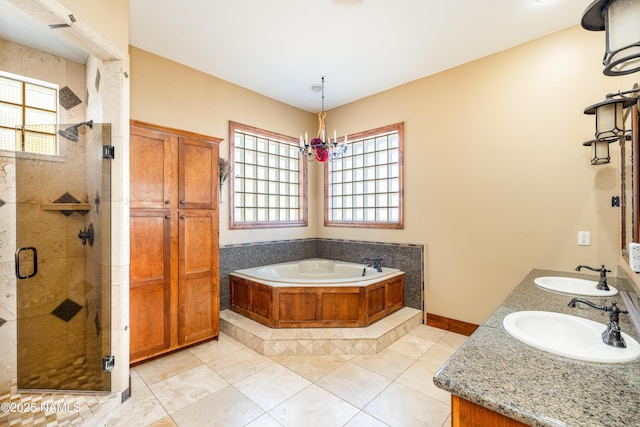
<point x="81" y="208"/>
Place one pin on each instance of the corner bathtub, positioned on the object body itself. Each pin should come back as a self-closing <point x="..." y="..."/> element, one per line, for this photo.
<point x="316" y="293"/>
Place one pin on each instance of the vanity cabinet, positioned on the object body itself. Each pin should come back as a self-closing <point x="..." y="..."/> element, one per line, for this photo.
<point x="174" y="259"/>
<point x="469" y="414"/>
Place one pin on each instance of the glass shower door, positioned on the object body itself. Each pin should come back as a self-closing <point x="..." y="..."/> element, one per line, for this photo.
<point x="63" y="277"/>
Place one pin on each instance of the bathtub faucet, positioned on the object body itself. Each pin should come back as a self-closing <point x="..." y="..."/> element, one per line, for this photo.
<point x="374" y="262"/>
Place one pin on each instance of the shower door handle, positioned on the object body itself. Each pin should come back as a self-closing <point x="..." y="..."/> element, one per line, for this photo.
<point x="35" y="262"/>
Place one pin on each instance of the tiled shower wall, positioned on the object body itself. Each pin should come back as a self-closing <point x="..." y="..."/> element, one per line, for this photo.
<point x="406" y="257"/>
<point x="67" y="74"/>
<point x="74" y="315"/>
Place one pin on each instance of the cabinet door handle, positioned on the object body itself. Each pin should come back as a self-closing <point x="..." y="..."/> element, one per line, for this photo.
<point x="167" y="217"/>
<point x="167" y="202"/>
<point x="182" y="202"/>
<point x="183" y="216"/>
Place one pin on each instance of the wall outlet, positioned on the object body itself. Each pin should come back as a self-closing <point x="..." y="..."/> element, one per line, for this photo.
<point x="584" y="238"/>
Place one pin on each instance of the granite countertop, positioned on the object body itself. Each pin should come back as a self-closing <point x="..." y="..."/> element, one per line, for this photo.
<point x="500" y="373"/>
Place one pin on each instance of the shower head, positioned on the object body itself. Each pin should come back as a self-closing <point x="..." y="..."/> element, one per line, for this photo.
<point x="71" y="133"/>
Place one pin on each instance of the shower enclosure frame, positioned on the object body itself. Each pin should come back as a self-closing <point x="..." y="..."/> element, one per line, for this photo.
<point x="63" y="263"/>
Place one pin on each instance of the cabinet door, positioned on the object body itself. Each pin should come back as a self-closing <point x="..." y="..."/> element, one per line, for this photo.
<point x="198" y="171"/>
<point x="149" y="288"/>
<point x="198" y="265"/>
<point x="153" y="157"/>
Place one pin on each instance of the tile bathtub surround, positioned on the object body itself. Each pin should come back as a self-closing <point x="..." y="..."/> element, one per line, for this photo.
<point x="225" y="383"/>
<point x="238" y="257"/>
<point x="406" y="257"/>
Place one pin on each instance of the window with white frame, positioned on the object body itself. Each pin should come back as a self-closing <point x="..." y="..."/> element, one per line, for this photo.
<point x="28" y="115"/>
<point x="268" y="179"/>
<point x="364" y="187"/>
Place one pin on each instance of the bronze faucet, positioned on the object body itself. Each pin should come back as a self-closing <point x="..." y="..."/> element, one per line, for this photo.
<point x="374" y="262"/>
<point x="611" y="336"/>
<point x="602" y="284"/>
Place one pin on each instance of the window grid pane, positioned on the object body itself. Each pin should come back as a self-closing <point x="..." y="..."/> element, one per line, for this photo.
<point x="267" y="180"/>
<point x="364" y="184"/>
<point x="8" y="139"/>
<point x="10" y="91"/>
<point x="28" y="117"/>
<point x="40" y="97"/>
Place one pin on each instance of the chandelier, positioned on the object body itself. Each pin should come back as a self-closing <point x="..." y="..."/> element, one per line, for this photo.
<point x="322" y="148"/>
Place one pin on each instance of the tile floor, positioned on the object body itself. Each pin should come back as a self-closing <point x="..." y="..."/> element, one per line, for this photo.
<point x="225" y="383"/>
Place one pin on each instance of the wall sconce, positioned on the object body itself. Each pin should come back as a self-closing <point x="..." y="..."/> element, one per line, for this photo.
<point x="610" y="118"/>
<point x="599" y="151"/>
<point x="619" y="19"/>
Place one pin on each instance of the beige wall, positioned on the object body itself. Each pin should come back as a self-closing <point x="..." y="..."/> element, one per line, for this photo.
<point x="496" y="179"/>
<point x="108" y="17"/>
<point x="166" y="93"/>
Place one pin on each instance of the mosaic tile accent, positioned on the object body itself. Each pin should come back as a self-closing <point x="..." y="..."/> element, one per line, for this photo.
<point x="68" y="99"/>
<point x="97" y="202"/>
<point x="67" y="310"/>
<point x="97" y="82"/>
<point x="66" y="198"/>
<point x="320" y="341"/>
<point x="96" y="321"/>
<point x="67" y="409"/>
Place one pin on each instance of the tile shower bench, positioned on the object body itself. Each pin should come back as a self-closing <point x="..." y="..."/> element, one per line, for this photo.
<point x="497" y="380"/>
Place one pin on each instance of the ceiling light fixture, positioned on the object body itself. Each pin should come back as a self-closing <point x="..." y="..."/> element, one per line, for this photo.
<point x="321" y="148"/>
<point x="619" y="19"/>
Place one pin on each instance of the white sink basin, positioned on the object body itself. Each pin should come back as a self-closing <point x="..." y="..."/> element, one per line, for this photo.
<point x="568" y="336"/>
<point x="570" y="285"/>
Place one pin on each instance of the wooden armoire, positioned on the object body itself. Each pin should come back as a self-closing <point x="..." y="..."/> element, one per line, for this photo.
<point x="174" y="262"/>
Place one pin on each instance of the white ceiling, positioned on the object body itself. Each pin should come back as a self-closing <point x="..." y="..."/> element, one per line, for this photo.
<point x="279" y="48"/>
<point x="18" y="27"/>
